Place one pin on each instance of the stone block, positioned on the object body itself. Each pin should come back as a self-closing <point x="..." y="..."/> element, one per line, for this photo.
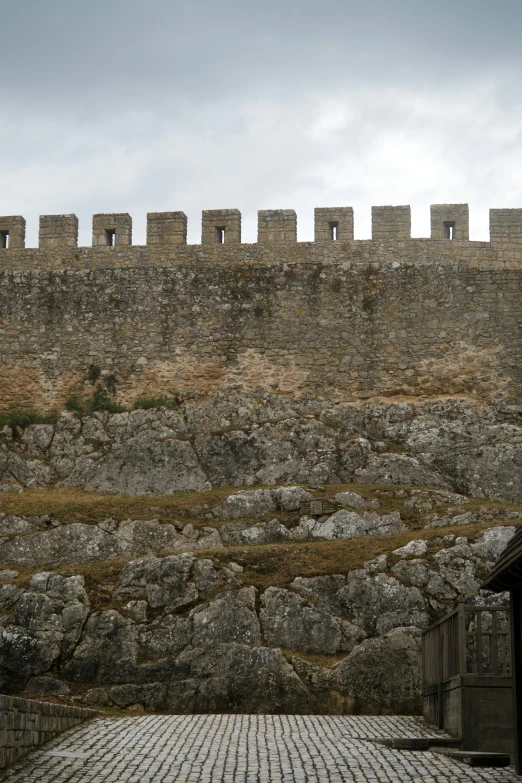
<point x="12" y="232"/>
<point x="333" y="224"/>
<point x="276" y="225"/>
<point x="111" y="230"/>
<point x="505" y="226"/>
<point x="450" y="221"/>
<point x="220" y="226"/>
<point x="58" y="231"/>
<point x="391" y="223"/>
<point x="166" y="228"/>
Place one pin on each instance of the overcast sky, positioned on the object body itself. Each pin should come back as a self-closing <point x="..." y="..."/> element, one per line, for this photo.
<point x="149" y="105"/>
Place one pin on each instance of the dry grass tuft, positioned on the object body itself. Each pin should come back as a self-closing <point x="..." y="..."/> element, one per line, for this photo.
<point x="265" y="565"/>
<point x="279" y="564"/>
<point x="78" y="505"/>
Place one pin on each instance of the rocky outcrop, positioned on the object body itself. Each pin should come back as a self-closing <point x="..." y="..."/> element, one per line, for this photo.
<point x="244" y="440"/>
<point x="42" y="544"/>
<point x="348" y="524"/>
<point x="44" y="628"/>
<point x="185" y="634"/>
<point x="235" y="678"/>
<point x="271" y="532"/>
<point x="293" y="622"/>
<point x="243" y="504"/>
<point x="393" y="659"/>
<point x="49" y="541"/>
<point x="175" y="630"/>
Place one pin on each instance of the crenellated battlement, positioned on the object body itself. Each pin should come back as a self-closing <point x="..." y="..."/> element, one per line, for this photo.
<point x="58" y="231"/>
<point x="12" y="232"/>
<point x="449" y="222"/>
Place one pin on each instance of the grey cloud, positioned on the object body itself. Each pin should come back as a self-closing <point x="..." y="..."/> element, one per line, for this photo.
<point x="121" y="51"/>
<point x="352" y="148"/>
<point x="127" y="105"/>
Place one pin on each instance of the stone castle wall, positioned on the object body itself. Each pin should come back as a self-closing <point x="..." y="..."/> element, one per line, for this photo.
<point x="337" y="317"/>
<point x="25" y="724"/>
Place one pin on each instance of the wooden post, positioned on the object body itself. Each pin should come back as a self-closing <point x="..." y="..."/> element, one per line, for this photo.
<point x="479" y="647"/>
<point x="493" y="643"/>
<point x="440" y="704"/>
<point x="461" y="637"/>
<point x="516" y="670"/>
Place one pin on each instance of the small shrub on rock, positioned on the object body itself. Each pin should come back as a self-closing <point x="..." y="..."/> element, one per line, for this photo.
<point x="100" y="400"/>
<point x="165" y="401"/>
<point x="23" y="419"/>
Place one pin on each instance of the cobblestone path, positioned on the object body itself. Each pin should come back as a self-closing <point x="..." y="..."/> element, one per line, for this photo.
<point x="242" y="748"/>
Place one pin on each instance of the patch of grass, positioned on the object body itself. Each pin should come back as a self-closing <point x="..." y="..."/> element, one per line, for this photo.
<point x="278" y="564"/>
<point x="100" y="400"/>
<point x="74" y="404"/>
<point x="390" y="502"/>
<point x="395" y="448"/>
<point x="23" y="419"/>
<point x="146" y="403"/>
<point x="78" y="505"/>
<point x="24" y="575"/>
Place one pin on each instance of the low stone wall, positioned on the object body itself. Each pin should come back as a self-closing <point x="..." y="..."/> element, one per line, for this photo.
<point x="26" y="724"/>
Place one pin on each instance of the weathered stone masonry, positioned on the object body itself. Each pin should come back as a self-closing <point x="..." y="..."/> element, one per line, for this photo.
<point x="353" y="319"/>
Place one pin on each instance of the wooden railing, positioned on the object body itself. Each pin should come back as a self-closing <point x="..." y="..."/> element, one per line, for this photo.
<point x="470" y="640"/>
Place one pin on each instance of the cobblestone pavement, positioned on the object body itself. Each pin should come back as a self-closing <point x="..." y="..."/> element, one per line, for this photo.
<point x="242" y="748"/>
